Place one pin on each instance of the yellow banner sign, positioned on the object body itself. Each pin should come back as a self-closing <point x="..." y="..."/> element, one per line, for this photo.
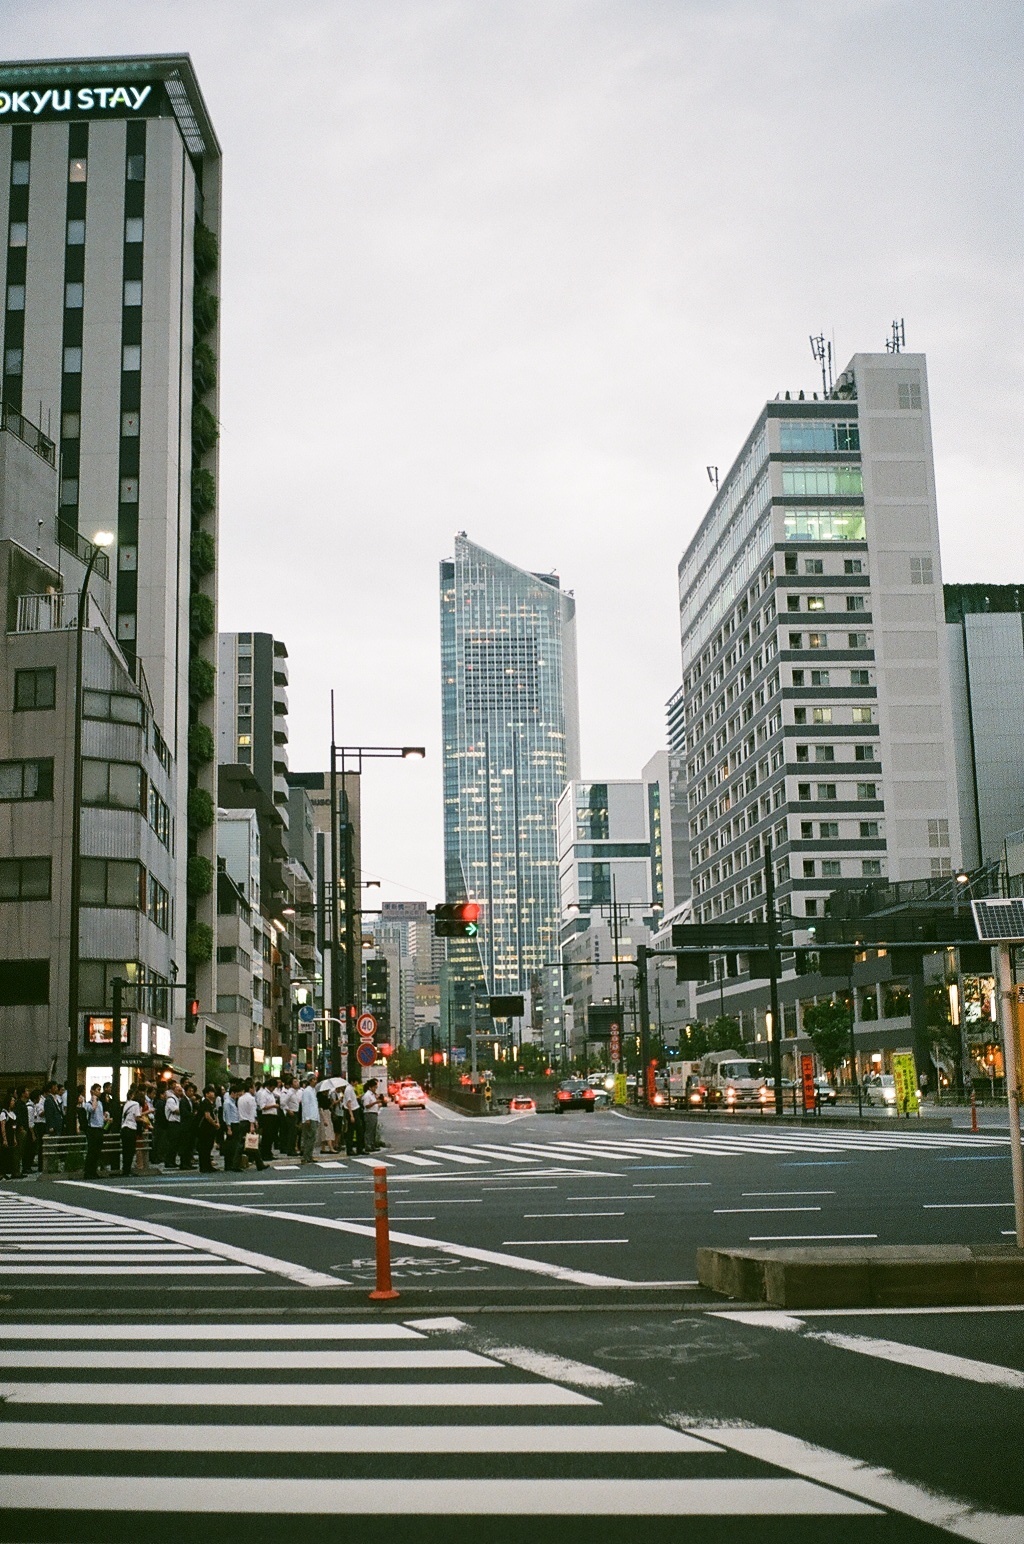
<point x="904" y="1073"/>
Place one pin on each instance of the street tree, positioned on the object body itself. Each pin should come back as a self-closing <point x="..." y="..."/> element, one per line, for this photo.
<point x="827" y="1025"/>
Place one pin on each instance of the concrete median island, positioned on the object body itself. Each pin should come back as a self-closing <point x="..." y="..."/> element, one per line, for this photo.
<point x="866" y="1276"/>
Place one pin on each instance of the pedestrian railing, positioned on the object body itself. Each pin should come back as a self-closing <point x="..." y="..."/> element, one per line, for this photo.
<point x="66" y="1155"/>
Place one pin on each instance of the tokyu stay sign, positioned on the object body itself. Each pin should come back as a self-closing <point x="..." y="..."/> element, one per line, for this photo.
<point x="121" y="101"/>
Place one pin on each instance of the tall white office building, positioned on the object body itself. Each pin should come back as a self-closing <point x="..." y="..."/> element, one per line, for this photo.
<point x="815" y="705"/>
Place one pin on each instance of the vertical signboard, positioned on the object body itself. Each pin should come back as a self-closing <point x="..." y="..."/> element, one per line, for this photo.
<point x="904" y="1073"/>
<point x="807" y="1082"/>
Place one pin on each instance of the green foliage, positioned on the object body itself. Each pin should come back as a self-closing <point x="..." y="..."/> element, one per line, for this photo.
<point x="200" y="876"/>
<point x="200" y="810"/>
<point x="205" y="250"/>
<point x="204" y="554"/>
<point x="201" y="616"/>
<point x="204" y="369"/>
<point x="198" y="944"/>
<point x="204" y="492"/>
<point x="722" y="1034"/>
<point x="532" y="1060"/>
<point x="205" y="432"/>
<point x="202" y="679"/>
<point x="216" y="1067"/>
<point x="201" y="747"/>
<point x="827" y="1026"/>
<point x="205" y="307"/>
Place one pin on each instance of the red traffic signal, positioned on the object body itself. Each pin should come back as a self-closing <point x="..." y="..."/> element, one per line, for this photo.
<point x="458" y="919"/>
<point x="191" y="1011"/>
<point x="437" y="1058"/>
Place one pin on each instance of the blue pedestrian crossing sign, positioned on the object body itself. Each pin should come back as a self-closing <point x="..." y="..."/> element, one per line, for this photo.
<point x="307" y="1013"/>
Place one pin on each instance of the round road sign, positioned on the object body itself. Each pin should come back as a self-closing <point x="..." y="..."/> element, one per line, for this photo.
<point x="366" y="1024"/>
<point x="366" y="1054"/>
<point x="307" y="1013"/>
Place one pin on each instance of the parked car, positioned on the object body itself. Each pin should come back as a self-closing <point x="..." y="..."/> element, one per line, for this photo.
<point x="574" y="1094"/>
<point x="824" y="1093"/>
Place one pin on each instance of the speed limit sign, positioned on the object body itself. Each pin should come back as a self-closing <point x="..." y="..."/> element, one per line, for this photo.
<point x="366" y="1024"/>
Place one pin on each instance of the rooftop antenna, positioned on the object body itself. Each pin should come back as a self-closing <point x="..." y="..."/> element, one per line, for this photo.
<point x="821" y="350"/>
<point x="897" y="339"/>
<point x="713" y="476"/>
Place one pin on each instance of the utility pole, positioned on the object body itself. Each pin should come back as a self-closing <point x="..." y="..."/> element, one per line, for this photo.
<point x="335" y="975"/>
<point x="773" y="973"/>
<point x="472" y="1035"/>
<point x="644" y="1011"/>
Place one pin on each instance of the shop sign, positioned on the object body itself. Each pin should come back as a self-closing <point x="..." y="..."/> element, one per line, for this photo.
<point x="904" y="1073"/>
<point x="123" y="101"/>
<point x="807" y="1081"/>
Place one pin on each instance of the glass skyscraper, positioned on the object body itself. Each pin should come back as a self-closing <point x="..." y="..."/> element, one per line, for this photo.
<point x="510" y="719"/>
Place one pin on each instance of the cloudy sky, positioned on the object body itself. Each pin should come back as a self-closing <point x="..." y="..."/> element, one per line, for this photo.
<point x="524" y="268"/>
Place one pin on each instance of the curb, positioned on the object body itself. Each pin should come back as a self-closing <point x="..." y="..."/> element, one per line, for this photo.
<point x="770" y="1120"/>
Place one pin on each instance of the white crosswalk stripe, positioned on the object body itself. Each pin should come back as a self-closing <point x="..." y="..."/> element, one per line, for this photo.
<point x="55" y="1447"/>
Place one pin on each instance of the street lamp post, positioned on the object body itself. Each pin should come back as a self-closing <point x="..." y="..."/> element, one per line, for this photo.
<point x="102" y="539"/>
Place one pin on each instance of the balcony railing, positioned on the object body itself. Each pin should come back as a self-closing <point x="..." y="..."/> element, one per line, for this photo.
<point x="72" y="541"/>
<point x="27" y="432"/>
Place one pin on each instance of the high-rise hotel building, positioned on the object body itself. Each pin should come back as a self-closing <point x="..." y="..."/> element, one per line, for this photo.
<point x="815" y="703"/>
<point x="109" y="225"/>
<point x="510" y="722"/>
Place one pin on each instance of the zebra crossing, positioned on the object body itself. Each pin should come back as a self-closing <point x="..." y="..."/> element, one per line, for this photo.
<point x="709" y="1141"/>
<point x="453" y="1434"/>
<point x="48" y="1243"/>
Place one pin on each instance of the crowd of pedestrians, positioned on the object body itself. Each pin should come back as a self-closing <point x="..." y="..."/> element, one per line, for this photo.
<point x="246" y="1120"/>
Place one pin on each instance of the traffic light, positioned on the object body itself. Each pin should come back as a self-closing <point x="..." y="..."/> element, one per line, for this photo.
<point x="191" y="1010"/>
<point x="457" y="919"/>
<point x="693" y="966"/>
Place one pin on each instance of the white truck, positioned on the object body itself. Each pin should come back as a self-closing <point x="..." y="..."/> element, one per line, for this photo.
<point x="733" y="1081"/>
<point x="678" y="1079"/>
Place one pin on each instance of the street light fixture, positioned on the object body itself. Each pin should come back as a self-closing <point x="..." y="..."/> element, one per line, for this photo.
<point x="101" y="540"/>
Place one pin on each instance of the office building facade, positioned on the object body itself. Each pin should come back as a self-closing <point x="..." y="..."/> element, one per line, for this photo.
<point x="815" y="713"/>
<point x="510" y="724"/>
<point x="985" y="640"/>
<point x="109" y="265"/>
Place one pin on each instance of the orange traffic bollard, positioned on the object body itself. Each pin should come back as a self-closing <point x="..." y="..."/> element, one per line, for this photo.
<point x="974" y="1113"/>
<point x="384" y="1292"/>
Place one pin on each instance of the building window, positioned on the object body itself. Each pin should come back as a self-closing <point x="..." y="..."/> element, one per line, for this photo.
<point x="69" y="491"/>
<point x="856" y="603"/>
<point x="909" y="395"/>
<point x="72" y="361"/>
<point x="811" y="908"/>
<point x="857" y="641"/>
<point x="828" y="830"/>
<point x="864" y="752"/>
<point x="853" y="566"/>
<point x="803" y="792"/>
<point x="112" y="882"/>
<point x="808" y="868"/>
<point x="868" y="830"/>
<point x="941" y="868"/>
<point x="74" y="296"/>
<point x="803" y="753"/>
<point x="71" y="426"/>
<point x="24" y="879"/>
<point x="22" y="781"/>
<point x="136" y="168"/>
<point x="821" y="715"/>
<point x="867" y="790"/>
<point x="158" y="904"/>
<point x="798" y="678"/>
<point x="131" y="357"/>
<point x="824" y="753"/>
<point x="921" y="569"/>
<point x="806" y="831"/>
<point x="13" y="361"/>
<point x="792" y="603"/>
<point x="817" y="640"/>
<point x="19" y="174"/>
<point x="132" y="230"/>
<point x="871" y="868"/>
<point x="860" y="678"/>
<point x="129" y="490"/>
<point x="822" y="525"/>
<point x="938" y="833"/>
<point x="16" y="297"/>
<point x="815" y="602"/>
<point x="34" y="689"/>
<point x="76" y="233"/>
<point x="796" y="640"/>
<point x="113" y="784"/>
<point x="819" y="678"/>
<point x="799" y="715"/>
<point x="18" y="234"/>
<point x="119" y="707"/>
<point x="133" y="292"/>
<point x="831" y="868"/>
<point x="126" y="627"/>
<point x="159" y="817"/>
<point x="814" y="434"/>
<point x="861" y="715"/>
<point x="24" y="983"/>
<point x="827" y="791"/>
<point x="130" y="426"/>
<point x="77" y="169"/>
<point x="814" y="566"/>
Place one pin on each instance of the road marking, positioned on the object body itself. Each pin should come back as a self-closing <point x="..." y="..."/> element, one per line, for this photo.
<point x="443" y="1323"/>
<point x="965" y="1206"/>
<point x="166" y="1438"/>
<point x="437" y="1152"/>
<point x="416" y="1240"/>
<point x="514" y="1189"/>
<point x="566" y="1369"/>
<point x="735" y="1211"/>
<point x="321" y="1395"/>
<point x="442" y="1201"/>
<point x="671" y="1184"/>
<point x="502" y="1155"/>
<point x="750" y="1194"/>
<point x="919" y="1357"/>
<point x="563" y="1242"/>
<point x="419" y="1163"/>
<point x="242" y="1257"/>
<point x="896" y="1313"/>
<point x="374" y="1360"/>
<point x="535" y="1216"/>
<point x="166" y="1256"/>
<point x="137" y="1270"/>
<point x="873" y="1484"/>
<point x="805" y="1238"/>
<point x="184" y="1332"/>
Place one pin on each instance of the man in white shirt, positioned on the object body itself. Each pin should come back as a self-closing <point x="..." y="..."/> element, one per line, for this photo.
<point x="95" y="1122"/>
<point x="172" y="1126"/>
<point x="266" y="1105"/>
<point x="288" y="1096"/>
<point x="130" y="1112"/>
<point x="231" y="1122"/>
<point x="309" y="1116"/>
<point x="371" y="1116"/>
<point x="353" y="1120"/>
<point x="248" y="1114"/>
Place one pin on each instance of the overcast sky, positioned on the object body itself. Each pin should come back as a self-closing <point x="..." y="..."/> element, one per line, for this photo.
<point x="524" y="268"/>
